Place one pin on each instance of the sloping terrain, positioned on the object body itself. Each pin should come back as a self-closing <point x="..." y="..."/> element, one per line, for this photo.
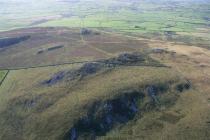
<point x="38" y="111"/>
<point x="105" y="70"/>
<point x="50" y="46"/>
<point x="159" y="90"/>
<point x="2" y="75"/>
<point x="173" y="20"/>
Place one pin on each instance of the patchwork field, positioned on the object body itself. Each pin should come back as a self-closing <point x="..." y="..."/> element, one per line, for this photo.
<point x="180" y="21"/>
<point x="58" y="101"/>
<point x="105" y="70"/>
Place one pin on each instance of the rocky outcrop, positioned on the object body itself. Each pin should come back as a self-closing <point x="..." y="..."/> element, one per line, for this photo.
<point x="125" y="59"/>
<point x="103" y="116"/>
<point x="90" y="68"/>
<point x="5" y="42"/>
<point x="55" y="78"/>
<point x="183" y="86"/>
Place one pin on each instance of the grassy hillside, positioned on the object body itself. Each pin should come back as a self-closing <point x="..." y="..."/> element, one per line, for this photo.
<point x="52" y="106"/>
<point x="180" y="21"/>
<point x="105" y="70"/>
<point x="60" y="98"/>
<point x="36" y="111"/>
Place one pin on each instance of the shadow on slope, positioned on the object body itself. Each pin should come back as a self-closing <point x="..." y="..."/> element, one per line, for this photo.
<point x="125" y="59"/>
<point x="103" y="116"/>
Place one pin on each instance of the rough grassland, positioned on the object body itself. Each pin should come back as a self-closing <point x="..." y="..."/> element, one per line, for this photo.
<point x="180" y="21"/>
<point x="55" y="108"/>
<point x="2" y="75"/>
<point x="75" y="47"/>
<point x="50" y="111"/>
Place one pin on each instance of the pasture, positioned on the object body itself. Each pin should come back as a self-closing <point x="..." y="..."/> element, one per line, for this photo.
<point x="178" y="21"/>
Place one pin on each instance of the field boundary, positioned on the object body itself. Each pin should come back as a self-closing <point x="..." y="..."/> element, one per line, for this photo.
<point x="80" y="62"/>
<point x="5" y="76"/>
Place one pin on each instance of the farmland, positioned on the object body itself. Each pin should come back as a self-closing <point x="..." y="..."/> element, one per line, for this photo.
<point x="180" y="21"/>
<point x="105" y="70"/>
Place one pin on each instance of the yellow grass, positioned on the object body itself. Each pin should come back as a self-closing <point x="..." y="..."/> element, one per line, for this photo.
<point x="52" y="122"/>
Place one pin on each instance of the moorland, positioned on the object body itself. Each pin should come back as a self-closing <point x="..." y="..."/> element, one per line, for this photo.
<point x="106" y="70"/>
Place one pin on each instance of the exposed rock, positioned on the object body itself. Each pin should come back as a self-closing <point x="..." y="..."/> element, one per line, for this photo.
<point x="55" y="47"/>
<point x="5" y="42"/>
<point x="40" y="52"/>
<point x="103" y="116"/>
<point x="158" y="50"/>
<point x="183" y="86"/>
<point x="85" y="31"/>
<point x="50" y="49"/>
<point x="73" y="134"/>
<point x="55" y="78"/>
<point x="152" y="92"/>
<point x="126" y="58"/>
<point x="26" y="102"/>
<point x="31" y="102"/>
<point x="130" y="57"/>
<point x="89" y="68"/>
<point x="85" y="70"/>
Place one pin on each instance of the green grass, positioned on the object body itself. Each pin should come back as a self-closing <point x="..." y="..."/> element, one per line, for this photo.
<point x="150" y="17"/>
<point x="93" y="15"/>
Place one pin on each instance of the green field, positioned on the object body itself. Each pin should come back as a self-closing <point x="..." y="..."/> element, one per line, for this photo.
<point x="170" y="20"/>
